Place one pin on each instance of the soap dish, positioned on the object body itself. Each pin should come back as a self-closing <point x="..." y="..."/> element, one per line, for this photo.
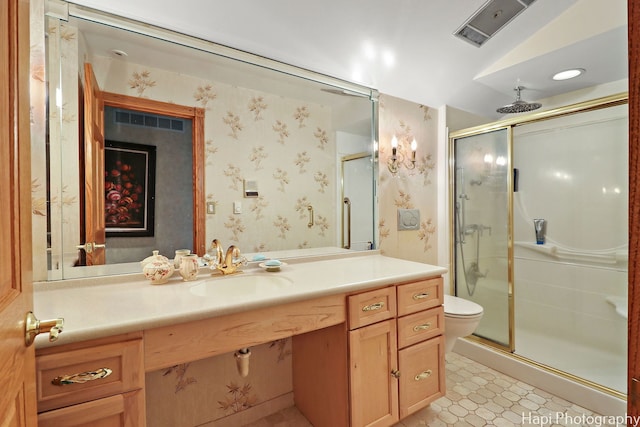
<point x="272" y="265"/>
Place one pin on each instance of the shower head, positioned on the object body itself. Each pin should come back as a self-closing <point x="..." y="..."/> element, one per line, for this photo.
<point x="519" y="106"/>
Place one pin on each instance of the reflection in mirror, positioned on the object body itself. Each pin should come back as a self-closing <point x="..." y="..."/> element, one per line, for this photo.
<point x="269" y="174"/>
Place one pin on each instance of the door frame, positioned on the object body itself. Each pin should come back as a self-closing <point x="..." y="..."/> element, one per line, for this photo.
<point x="196" y="115"/>
<point x="17" y="370"/>
<point x="633" y="355"/>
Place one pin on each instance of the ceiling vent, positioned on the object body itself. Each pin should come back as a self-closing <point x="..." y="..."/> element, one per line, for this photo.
<point x="489" y="19"/>
<point x="126" y="117"/>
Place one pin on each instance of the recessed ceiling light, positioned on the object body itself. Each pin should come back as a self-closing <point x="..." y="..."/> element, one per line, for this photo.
<point x="568" y="74"/>
<point x="118" y="52"/>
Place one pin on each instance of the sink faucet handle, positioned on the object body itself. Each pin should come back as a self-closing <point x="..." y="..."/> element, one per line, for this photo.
<point x="236" y="257"/>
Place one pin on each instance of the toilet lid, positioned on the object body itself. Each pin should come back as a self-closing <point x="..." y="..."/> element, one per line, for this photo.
<point x="461" y="307"/>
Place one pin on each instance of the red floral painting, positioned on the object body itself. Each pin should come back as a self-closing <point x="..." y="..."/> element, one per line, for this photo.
<point x="129" y="189"/>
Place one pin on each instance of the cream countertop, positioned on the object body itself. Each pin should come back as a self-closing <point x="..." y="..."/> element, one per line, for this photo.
<point x="95" y="308"/>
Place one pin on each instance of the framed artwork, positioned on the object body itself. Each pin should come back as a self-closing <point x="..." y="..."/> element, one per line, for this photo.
<point x="129" y="189"/>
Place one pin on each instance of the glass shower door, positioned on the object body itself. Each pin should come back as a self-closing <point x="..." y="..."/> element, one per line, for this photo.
<point x="482" y="183"/>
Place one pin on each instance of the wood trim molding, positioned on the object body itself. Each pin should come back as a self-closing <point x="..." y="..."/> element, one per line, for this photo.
<point x="633" y="401"/>
<point x="197" y="116"/>
<point x="199" y="232"/>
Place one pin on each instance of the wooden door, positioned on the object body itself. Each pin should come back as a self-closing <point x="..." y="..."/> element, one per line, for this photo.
<point x="373" y="355"/>
<point x="633" y="402"/>
<point x="17" y="361"/>
<point x="94" y="225"/>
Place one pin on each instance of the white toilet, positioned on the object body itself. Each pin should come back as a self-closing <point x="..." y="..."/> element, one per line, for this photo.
<point x="461" y="318"/>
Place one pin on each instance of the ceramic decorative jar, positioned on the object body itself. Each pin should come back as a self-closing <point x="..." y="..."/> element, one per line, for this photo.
<point x="179" y="254"/>
<point x="157" y="268"/>
<point x="189" y="267"/>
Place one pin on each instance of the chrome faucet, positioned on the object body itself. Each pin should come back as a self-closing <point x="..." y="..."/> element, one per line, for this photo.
<point x="228" y="263"/>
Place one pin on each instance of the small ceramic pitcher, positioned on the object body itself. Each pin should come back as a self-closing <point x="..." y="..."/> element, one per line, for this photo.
<point x="178" y="256"/>
<point x="189" y="267"/>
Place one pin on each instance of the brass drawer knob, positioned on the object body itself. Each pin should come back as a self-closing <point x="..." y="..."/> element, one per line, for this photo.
<point x="422" y="327"/>
<point x="82" y="377"/>
<point x="421" y="295"/>
<point x="373" y="307"/>
<point x="423" y="375"/>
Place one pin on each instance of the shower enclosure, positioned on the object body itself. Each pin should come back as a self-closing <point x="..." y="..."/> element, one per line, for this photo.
<point x="561" y="304"/>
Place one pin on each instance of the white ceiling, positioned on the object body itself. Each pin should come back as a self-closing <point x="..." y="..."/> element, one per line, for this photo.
<point x="405" y="48"/>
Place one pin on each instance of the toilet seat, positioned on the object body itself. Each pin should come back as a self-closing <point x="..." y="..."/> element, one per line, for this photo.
<point x="461" y="308"/>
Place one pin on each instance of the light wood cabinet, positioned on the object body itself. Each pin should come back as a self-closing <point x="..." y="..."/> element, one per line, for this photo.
<point x="373" y="360"/>
<point x="394" y="345"/>
<point x="364" y="359"/>
<point x="421" y="360"/>
<point x="93" y="383"/>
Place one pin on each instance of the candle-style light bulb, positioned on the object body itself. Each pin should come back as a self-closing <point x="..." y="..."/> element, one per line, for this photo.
<point x="414" y="147"/>
<point x="394" y="146"/>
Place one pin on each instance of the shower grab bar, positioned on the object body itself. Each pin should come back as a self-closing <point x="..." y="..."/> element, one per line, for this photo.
<point x="311" y="222"/>
<point x="555" y="251"/>
<point x="347" y="202"/>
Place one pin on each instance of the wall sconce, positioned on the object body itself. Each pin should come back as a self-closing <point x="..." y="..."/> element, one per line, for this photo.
<point x="397" y="159"/>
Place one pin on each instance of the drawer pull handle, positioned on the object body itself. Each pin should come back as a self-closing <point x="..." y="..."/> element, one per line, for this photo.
<point x="421" y="295"/>
<point x="82" y="377"/>
<point x="423" y="375"/>
<point x="373" y="307"/>
<point x="422" y="327"/>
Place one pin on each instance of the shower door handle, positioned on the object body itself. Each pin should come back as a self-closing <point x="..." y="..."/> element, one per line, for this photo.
<point x="347" y="203"/>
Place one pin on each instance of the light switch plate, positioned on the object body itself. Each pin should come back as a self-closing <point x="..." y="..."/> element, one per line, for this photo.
<point x="408" y="219"/>
<point x="211" y="208"/>
<point x="237" y="207"/>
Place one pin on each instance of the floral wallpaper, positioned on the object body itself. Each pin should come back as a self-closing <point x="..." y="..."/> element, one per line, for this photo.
<point x="208" y="390"/>
<point x="409" y="188"/>
<point x="253" y="136"/>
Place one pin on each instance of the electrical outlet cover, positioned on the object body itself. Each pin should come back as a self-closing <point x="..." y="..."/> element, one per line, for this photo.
<point x="408" y="219"/>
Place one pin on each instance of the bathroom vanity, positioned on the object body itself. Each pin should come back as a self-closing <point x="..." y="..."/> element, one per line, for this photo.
<point x="366" y="337"/>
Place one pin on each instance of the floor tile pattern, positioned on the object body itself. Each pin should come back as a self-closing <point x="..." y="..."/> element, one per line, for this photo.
<point x="479" y="396"/>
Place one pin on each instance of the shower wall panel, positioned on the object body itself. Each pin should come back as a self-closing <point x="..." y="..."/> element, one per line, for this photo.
<point x="573" y="173"/>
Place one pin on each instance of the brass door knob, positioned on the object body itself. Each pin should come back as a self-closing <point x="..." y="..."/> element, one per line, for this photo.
<point x="395" y="373"/>
<point x="33" y="327"/>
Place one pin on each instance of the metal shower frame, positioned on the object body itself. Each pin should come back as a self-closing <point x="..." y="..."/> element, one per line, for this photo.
<point x="509" y="124"/>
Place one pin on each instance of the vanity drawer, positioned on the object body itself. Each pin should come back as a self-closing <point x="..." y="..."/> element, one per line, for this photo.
<point x="121" y="410"/>
<point x="371" y="307"/>
<point x="420" y="326"/>
<point x="59" y="385"/>
<point x="421" y="295"/>
<point x="422" y="375"/>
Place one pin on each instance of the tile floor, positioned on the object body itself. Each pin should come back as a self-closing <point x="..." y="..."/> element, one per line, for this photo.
<point x="478" y="396"/>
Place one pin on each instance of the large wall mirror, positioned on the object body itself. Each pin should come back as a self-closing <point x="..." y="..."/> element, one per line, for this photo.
<point x="158" y="141"/>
